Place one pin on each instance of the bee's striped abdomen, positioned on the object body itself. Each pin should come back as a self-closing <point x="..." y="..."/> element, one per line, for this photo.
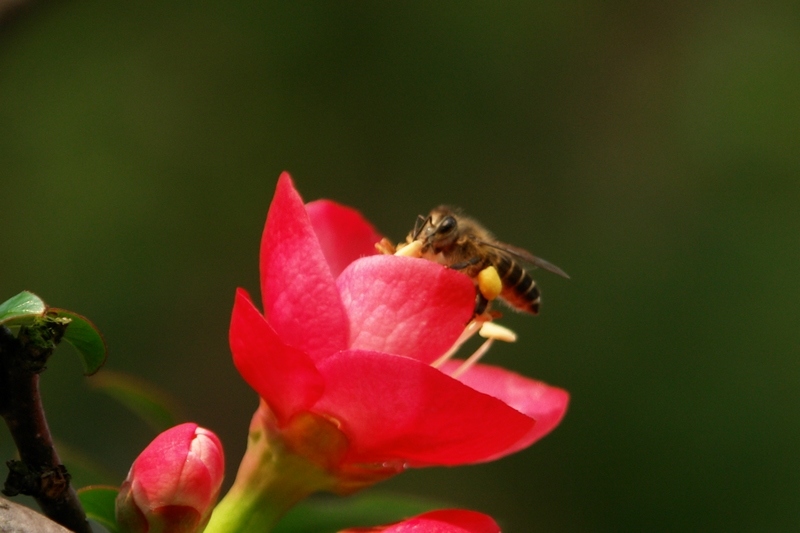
<point x="519" y="289"/>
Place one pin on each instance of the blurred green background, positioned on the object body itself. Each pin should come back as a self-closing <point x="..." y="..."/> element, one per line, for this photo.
<point x="652" y="150"/>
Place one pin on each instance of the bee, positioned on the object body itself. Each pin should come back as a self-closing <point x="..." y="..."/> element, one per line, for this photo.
<point x="461" y="243"/>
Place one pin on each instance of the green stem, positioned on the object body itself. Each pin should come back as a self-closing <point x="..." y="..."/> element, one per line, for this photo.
<point x="270" y="481"/>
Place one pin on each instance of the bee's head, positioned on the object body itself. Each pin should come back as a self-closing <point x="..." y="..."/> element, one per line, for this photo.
<point x="442" y="231"/>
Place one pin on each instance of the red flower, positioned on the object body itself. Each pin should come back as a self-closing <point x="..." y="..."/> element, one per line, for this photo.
<point x="174" y="483"/>
<point x="348" y="336"/>
<point x="445" y="521"/>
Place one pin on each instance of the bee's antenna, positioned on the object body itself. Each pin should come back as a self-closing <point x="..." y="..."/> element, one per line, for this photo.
<point x="419" y="225"/>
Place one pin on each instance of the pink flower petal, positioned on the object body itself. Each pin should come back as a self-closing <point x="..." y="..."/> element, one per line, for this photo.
<point x="446" y="521"/>
<point x="159" y="466"/>
<point x="342" y="232"/>
<point x="544" y="403"/>
<point x="202" y="472"/>
<point x="283" y="376"/>
<point x="405" y="306"/>
<point x="350" y="337"/>
<point x="396" y="408"/>
<point x="301" y="301"/>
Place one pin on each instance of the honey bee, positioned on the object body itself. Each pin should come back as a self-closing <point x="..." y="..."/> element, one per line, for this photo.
<point x="461" y="243"/>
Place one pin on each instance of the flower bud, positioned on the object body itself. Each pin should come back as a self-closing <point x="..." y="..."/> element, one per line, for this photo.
<point x="173" y="484"/>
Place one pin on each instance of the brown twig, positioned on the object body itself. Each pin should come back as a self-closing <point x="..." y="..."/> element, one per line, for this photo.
<point x="39" y="473"/>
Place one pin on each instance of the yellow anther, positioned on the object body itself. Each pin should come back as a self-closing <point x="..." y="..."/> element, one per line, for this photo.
<point x="489" y="283"/>
<point x="385" y="247"/>
<point x="412" y="249"/>
<point x="492" y="330"/>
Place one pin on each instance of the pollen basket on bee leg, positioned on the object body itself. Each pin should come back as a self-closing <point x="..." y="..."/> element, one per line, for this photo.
<point x="489" y="283"/>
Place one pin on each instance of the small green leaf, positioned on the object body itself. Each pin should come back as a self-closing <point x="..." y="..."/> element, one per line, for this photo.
<point x="329" y="514"/>
<point x="86" y="339"/>
<point x="98" y="502"/>
<point x="152" y="405"/>
<point x="21" y="309"/>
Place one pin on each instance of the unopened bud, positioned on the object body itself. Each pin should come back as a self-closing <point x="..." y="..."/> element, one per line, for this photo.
<point x="173" y="484"/>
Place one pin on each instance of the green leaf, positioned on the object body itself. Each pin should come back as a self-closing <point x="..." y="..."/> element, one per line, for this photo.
<point x="98" y="502"/>
<point x="329" y="514"/>
<point x="26" y="307"/>
<point x="152" y="405"/>
<point x="86" y="339"/>
<point x="21" y="309"/>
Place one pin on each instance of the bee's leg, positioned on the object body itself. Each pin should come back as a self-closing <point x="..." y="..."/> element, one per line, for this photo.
<point x="419" y="225"/>
<point x="481" y="303"/>
<point x="465" y="264"/>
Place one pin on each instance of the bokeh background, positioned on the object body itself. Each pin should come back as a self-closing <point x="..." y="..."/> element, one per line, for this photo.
<point x="652" y="150"/>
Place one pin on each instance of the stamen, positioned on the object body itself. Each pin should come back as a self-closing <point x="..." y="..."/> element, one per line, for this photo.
<point x="471" y="329"/>
<point x="385" y="247"/>
<point x="474" y="358"/>
<point x="491" y="332"/>
<point x="412" y="249"/>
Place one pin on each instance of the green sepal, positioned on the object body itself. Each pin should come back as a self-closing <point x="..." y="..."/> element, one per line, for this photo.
<point x="98" y="502"/>
<point x="84" y="337"/>
<point x="22" y="309"/>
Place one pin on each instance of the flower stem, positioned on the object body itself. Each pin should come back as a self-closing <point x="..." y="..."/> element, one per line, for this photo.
<point x="270" y="481"/>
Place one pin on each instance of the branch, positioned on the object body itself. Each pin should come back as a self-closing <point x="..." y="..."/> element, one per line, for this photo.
<point x="16" y="518"/>
<point x="39" y="473"/>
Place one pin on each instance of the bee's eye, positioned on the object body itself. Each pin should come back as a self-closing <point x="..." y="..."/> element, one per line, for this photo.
<point x="447" y="225"/>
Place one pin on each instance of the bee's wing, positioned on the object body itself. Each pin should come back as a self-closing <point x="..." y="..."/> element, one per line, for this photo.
<point x="527" y="257"/>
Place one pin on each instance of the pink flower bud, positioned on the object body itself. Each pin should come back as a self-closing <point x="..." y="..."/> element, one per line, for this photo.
<point x="174" y="483"/>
